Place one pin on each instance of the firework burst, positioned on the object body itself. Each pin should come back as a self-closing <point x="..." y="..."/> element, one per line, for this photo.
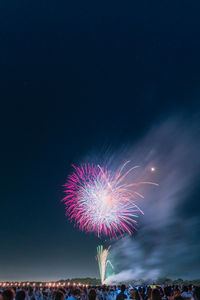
<point x="101" y="201"/>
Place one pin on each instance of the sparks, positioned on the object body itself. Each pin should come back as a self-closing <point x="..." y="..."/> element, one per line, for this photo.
<point x="102" y="258"/>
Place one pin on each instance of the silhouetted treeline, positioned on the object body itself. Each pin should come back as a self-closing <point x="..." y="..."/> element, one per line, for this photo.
<point x="159" y="281"/>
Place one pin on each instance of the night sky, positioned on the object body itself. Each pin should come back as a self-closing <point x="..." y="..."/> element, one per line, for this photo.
<point x="80" y="77"/>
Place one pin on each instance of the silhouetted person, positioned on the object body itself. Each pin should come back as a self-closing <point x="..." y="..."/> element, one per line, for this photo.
<point x="167" y="292"/>
<point x="121" y="295"/>
<point x="186" y="293"/>
<point x="178" y="298"/>
<point x="59" y="296"/>
<point x="134" y="294"/>
<point x="155" y="295"/>
<point x="74" y="294"/>
<point x="197" y="293"/>
<point x="21" y="295"/>
<point x="8" y="294"/>
<point x="92" y="295"/>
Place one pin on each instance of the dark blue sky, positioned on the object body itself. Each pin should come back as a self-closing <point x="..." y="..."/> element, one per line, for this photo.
<point x="77" y="76"/>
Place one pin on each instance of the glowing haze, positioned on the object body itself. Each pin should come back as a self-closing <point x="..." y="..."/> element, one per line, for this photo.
<point x="102" y="201"/>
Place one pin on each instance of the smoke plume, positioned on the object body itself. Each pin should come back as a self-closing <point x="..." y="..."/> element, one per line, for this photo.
<point x="167" y="243"/>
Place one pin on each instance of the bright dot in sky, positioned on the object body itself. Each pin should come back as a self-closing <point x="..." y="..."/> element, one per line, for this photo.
<point x="152" y="169"/>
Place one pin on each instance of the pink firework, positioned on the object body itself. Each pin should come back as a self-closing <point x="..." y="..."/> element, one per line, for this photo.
<point x="101" y="201"/>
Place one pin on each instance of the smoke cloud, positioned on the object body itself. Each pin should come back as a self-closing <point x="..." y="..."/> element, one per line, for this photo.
<point x="167" y="243"/>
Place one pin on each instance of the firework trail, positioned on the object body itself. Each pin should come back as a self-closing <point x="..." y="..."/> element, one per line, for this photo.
<point x="101" y="201"/>
<point x="102" y="255"/>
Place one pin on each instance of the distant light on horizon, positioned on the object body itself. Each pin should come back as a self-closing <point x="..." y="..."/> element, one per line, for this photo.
<point x="153" y="169"/>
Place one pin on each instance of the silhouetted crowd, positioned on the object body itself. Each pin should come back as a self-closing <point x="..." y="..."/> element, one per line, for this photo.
<point x="102" y="293"/>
